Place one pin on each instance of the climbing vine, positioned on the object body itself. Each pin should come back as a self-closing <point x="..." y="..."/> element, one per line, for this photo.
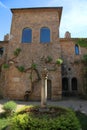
<point x="17" y="51"/>
<point x="5" y="66"/>
<point x="21" y="68"/>
<point x="33" y="68"/>
<point x="48" y="59"/>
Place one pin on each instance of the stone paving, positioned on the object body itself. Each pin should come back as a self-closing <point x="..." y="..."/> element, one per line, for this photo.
<point x="72" y="103"/>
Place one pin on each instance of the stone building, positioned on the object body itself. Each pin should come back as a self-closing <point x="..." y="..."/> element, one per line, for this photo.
<point x="34" y="44"/>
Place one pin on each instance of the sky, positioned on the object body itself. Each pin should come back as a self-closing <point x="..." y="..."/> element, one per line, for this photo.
<point x="74" y="15"/>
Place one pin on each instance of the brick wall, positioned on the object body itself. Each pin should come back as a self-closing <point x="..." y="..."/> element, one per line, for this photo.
<point x="35" y="51"/>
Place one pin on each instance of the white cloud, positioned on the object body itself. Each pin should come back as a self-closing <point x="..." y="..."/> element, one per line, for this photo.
<point x="2" y="5"/>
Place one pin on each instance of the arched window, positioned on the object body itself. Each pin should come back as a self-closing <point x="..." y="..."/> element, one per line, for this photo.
<point x="76" y="49"/>
<point x="26" y="35"/>
<point x="74" y="84"/>
<point x="49" y="89"/>
<point x="44" y="35"/>
<point x="1" y="51"/>
<point x="65" y="84"/>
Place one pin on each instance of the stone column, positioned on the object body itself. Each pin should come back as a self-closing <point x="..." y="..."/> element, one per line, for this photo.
<point x="44" y="88"/>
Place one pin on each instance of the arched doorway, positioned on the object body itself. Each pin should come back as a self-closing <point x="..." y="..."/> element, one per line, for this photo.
<point x="49" y="89"/>
<point x="65" y="86"/>
<point x="74" y="85"/>
<point x="1" y="51"/>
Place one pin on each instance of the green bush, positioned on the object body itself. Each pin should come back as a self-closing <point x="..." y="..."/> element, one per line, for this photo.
<point x="4" y="123"/>
<point x="83" y="119"/>
<point x="82" y="42"/>
<point x="84" y="58"/>
<point x="9" y="107"/>
<point x="29" y="121"/>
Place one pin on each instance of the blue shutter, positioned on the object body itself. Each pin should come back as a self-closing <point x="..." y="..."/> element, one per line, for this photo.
<point x="76" y="50"/>
<point x="27" y="36"/>
<point x="45" y="35"/>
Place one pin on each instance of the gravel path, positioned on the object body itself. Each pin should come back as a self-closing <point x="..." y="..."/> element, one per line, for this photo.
<point x="74" y="104"/>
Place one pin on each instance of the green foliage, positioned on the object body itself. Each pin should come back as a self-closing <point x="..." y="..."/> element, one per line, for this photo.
<point x="84" y="59"/>
<point x="21" y="68"/>
<point x="20" y="110"/>
<point x="20" y="122"/>
<point x="82" y="42"/>
<point x="83" y="119"/>
<point x="29" y="121"/>
<point x="4" y="123"/>
<point x="5" y="66"/>
<point x="48" y="59"/>
<point x="9" y="107"/>
<point x="17" y="51"/>
<point x="34" y="66"/>
<point x="59" y="61"/>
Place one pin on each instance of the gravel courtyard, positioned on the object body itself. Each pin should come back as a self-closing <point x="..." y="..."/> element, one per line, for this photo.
<point x="72" y="103"/>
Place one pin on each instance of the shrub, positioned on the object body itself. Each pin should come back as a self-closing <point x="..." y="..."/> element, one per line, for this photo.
<point x="82" y="42"/>
<point x="85" y="58"/>
<point x="31" y="121"/>
<point x="20" y="122"/>
<point x="4" y="123"/>
<point x="83" y="119"/>
<point x="9" y="107"/>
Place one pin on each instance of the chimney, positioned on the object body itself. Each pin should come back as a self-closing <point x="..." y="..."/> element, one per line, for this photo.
<point x="6" y="37"/>
<point x="67" y="35"/>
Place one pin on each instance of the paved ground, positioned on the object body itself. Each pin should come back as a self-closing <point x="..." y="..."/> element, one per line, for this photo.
<point x="72" y="103"/>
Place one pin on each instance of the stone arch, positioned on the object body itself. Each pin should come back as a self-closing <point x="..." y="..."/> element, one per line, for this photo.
<point x="65" y="86"/>
<point x="74" y="84"/>
<point x="76" y="49"/>
<point x="49" y="89"/>
<point x="1" y="51"/>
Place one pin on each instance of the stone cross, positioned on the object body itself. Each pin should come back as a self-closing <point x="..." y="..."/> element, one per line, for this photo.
<point x="44" y="88"/>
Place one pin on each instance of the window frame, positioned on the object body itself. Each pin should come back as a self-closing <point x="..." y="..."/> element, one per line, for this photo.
<point x="29" y="41"/>
<point x="41" y="38"/>
<point x="77" y="51"/>
<point x="1" y="55"/>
